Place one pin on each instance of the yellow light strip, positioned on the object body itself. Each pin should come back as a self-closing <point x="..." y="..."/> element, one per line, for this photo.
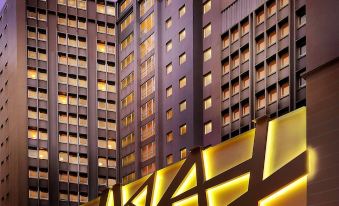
<point x="189" y="182"/>
<point x="110" y="199"/>
<point x="140" y="200"/>
<point x="190" y="201"/>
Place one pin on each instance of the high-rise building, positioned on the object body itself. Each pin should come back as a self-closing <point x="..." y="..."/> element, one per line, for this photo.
<point x="58" y="101"/>
<point x="93" y="92"/>
<point x="195" y="73"/>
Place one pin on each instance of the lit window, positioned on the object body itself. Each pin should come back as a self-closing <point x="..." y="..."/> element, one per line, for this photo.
<point x="234" y="34"/>
<point x="183" y="153"/>
<point x="127" y="61"/>
<point x="283" y="3"/>
<point x="207" y="54"/>
<point x="182" y="106"/>
<point x="169" y="45"/>
<point x="272" y="67"/>
<point x="245" y="109"/>
<point x="182" y="58"/>
<point x="147" y="88"/>
<point x="207" y="103"/>
<point x="62" y="99"/>
<point x="272" y="38"/>
<point x="31" y="53"/>
<point x="301" y="19"/>
<point x="127" y="140"/>
<point x="101" y="8"/>
<point x="207" y="6"/>
<point x="301" y="50"/>
<point x="271" y="9"/>
<point x="126" y="22"/>
<point x="235" y="114"/>
<point x="183" y="129"/>
<point x="129" y="159"/>
<point x="207" y="30"/>
<point x="125" y="5"/>
<point x="284" y="60"/>
<point x="127" y="41"/>
<point x="169" y="137"/>
<point x="207" y="79"/>
<point x="169" y="159"/>
<point x="182" y="82"/>
<point x="226" y="119"/>
<point x="148" y="130"/>
<point x="32" y="133"/>
<point x="245" y="55"/>
<point x="32" y="73"/>
<point x="169" y="91"/>
<point x="260" y="45"/>
<point x="235" y="61"/>
<point x="168" y="23"/>
<point x="169" y="68"/>
<point x="272" y="95"/>
<point x="284" y="90"/>
<point x="260" y="73"/>
<point x="148" y="169"/>
<point x="43" y="154"/>
<point x="145" y="5"/>
<point x="284" y="30"/>
<point x="182" y="11"/>
<point x="82" y="4"/>
<point x="225" y="41"/>
<point x="245" y="27"/>
<point x="42" y="16"/>
<point x="235" y="88"/>
<point x="147" y="46"/>
<point x="226" y="67"/>
<point x="260" y="17"/>
<point x="226" y="93"/>
<point x="101" y="47"/>
<point x="169" y="114"/>
<point x="208" y="127"/>
<point x="261" y="102"/>
<point x="102" y="86"/>
<point x="245" y="82"/>
<point x="147" y="24"/>
<point x="182" y="35"/>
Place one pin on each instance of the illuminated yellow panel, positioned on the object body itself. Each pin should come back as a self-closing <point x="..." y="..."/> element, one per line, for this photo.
<point x="227" y="192"/>
<point x="191" y="201"/>
<point x="312" y="163"/>
<point x="229" y="154"/>
<point x="129" y="190"/>
<point x="140" y="199"/>
<point x="188" y="183"/>
<point x="110" y="199"/>
<point x="286" y="139"/>
<point x="293" y="194"/>
<point x="162" y="180"/>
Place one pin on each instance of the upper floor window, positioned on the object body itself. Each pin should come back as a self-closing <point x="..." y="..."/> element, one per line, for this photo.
<point x="182" y="11"/>
<point x="271" y="8"/>
<point x="284" y="30"/>
<point x="207" y="6"/>
<point x="145" y="5"/>
<point x="260" y="17"/>
<point x="207" y="30"/>
<point x="147" y="24"/>
<point x="125" y="5"/>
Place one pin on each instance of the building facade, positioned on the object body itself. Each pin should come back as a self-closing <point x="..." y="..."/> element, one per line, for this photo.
<point x="58" y="101"/>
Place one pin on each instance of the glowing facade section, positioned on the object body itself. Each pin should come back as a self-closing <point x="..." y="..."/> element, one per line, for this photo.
<point x="286" y="139"/>
<point x="188" y="183"/>
<point x="226" y="193"/>
<point x="312" y="162"/>
<point x="140" y="200"/>
<point x="110" y="199"/>
<point x="228" y="154"/>
<point x="191" y="201"/>
<point x="129" y="190"/>
<point x="293" y="194"/>
<point x="163" y="178"/>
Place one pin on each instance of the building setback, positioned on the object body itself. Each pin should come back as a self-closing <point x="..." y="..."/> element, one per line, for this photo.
<point x="58" y="101"/>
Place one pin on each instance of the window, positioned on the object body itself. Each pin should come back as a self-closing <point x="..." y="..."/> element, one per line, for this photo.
<point x="127" y="100"/>
<point x="183" y="153"/>
<point x="207" y="79"/>
<point x="147" y="109"/>
<point x="42" y="16"/>
<point x="147" y="88"/>
<point x="42" y="35"/>
<point x="127" y="80"/>
<point x="284" y="60"/>
<point x="302" y="50"/>
<point x="207" y="30"/>
<point x="147" y="130"/>
<point x="182" y="58"/>
<point x="261" y="102"/>
<point x="260" y="45"/>
<point x="127" y="41"/>
<point x="169" y="159"/>
<point x="182" y="82"/>
<point x="182" y="35"/>
<point x="128" y="120"/>
<point x="32" y="73"/>
<point x="168" y="23"/>
<point x="125" y="5"/>
<point x="226" y="119"/>
<point x="147" y="67"/>
<point x="148" y="169"/>
<point x="207" y="6"/>
<point x="260" y="73"/>
<point x="283" y="3"/>
<point x="208" y="127"/>
<point x="245" y="109"/>
<point x="169" y="68"/>
<point x="226" y="67"/>
<point x="82" y="4"/>
<point x="260" y="17"/>
<point x="169" y="45"/>
<point x="169" y="114"/>
<point x="101" y="8"/>
<point x="284" y="30"/>
<point x="284" y="90"/>
<point x="207" y="54"/>
<point x="301" y="19"/>
<point x="208" y="103"/>
<point x="32" y="133"/>
<point x="126" y="22"/>
<point x="225" y="42"/>
<point x="62" y="99"/>
<point x="245" y="81"/>
<point x="182" y="106"/>
<point x="169" y="137"/>
<point x="245" y="55"/>
<point x="235" y="61"/>
<point x="127" y="140"/>
<point x="271" y="9"/>
<point x="272" y="66"/>
<point x="183" y="129"/>
<point x="235" y="114"/>
<point x="101" y="47"/>
<point x="127" y="61"/>
<point x="148" y="151"/>
<point x="225" y="93"/>
<point x="169" y="91"/>
<point x="147" y="24"/>
<point x="31" y="53"/>
<point x="102" y="85"/>
<point x="272" y="95"/>
<point x="272" y="37"/>
<point x="182" y="11"/>
<point x="147" y="46"/>
<point x="102" y="162"/>
<point x="145" y="5"/>
<point x="234" y="34"/>
<point x="129" y="159"/>
<point x="235" y="88"/>
<point x="245" y="27"/>
<point x="128" y="178"/>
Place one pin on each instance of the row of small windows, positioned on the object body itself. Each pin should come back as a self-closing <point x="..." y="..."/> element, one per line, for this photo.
<point x="147" y="152"/>
<point x="168" y="21"/>
<point x="80" y="4"/>
<point x="101" y="8"/>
